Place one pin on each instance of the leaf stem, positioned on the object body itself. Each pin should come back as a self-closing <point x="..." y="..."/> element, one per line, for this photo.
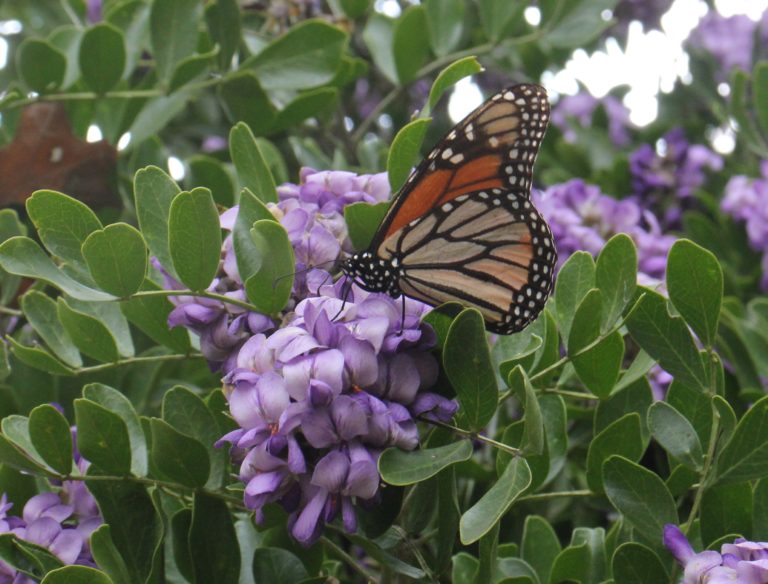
<point x="10" y="311"/>
<point x="475" y="436"/>
<point x="347" y="559"/>
<point x="203" y="294"/>
<point x="558" y="495"/>
<point x="134" y="360"/>
<point x="708" y="460"/>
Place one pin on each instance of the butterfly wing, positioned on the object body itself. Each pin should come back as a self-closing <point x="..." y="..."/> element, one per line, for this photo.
<point x="463" y="227"/>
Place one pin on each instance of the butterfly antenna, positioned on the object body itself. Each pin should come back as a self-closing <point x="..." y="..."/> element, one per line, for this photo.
<point x="303" y="270"/>
<point x="346" y="289"/>
<point x="402" y="316"/>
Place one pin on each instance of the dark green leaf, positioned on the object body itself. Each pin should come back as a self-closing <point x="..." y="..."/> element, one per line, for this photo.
<point x="399" y="467"/>
<point x="206" y="171"/>
<point x="14" y="456"/>
<point x="599" y="367"/>
<point x="117" y="258"/>
<point x="445" y="23"/>
<point x="533" y="426"/>
<point x="173" y="32"/>
<point x="223" y="20"/>
<point x="667" y="339"/>
<point x="132" y="17"/>
<point x="250" y="164"/>
<point x="108" y="313"/>
<point x="16" y="429"/>
<point x="363" y="219"/>
<point x="448" y="517"/>
<point x="40" y="311"/>
<point x="190" y="69"/>
<point x="277" y="565"/>
<point x="738" y="106"/>
<point x="483" y="515"/>
<point x="150" y="315"/>
<point x="245" y="101"/>
<point x="50" y="435"/>
<point x="726" y="509"/>
<point x="76" y="575"/>
<point x="178" y="456"/>
<point x="467" y="363"/>
<point x="410" y="43"/>
<point x="213" y="543"/>
<point x="616" y="277"/>
<point x="586" y="321"/>
<point x="405" y="150"/>
<point x="633" y="563"/>
<point x="496" y="15"/>
<point x="154" y="191"/>
<point x="540" y="546"/>
<point x="581" y="23"/>
<point x="745" y="456"/>
<point x="449" y="76"/>
<point x="157" y="113"/>
<point x="89" y="334"/>
<point x="760" y="511"/>
<point x="250" y="211"/>
<point x="675" y="434"/>
<point x="269" y="288"/>
<point x="102" y="437"/>
<point x="306" y="56"/>
<point x="378" y="36"/>
<point x="760" y="93"/>
<point x="41" y="65"/>
<point x="315" y="103"/>
<point x="639" y="495"/>
<point x="30" y="559"/>
<point x="575" y="279"/>
<point x="355" y="8"/>
<point x="488" y="555"/>
<point x="386" y="559"/>
<point x="622" y="437"/>
<point x="117" y="403"/>
<point x="464" y="568"/>
<point x="194" y="237"/>
<point x="102" y="57"/>
<point x="38" y="358"/>
<point x="695" y="284"/>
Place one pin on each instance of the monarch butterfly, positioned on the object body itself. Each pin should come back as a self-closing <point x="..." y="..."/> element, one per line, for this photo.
<point x="463" y="227"/>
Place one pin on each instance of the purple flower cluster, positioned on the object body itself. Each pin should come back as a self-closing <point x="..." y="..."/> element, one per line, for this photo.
<point x="583" y="218"/>
<point x="742" y="561"/>
<point x="731" y="40"/>
<point x="674" y="171"/>
<point x="746" y="199"/>
<point x="341" y="378"/>
<point x="576" y="111"/>
<point x="648" y="12"/>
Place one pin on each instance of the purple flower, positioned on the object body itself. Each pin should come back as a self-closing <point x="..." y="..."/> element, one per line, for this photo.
<point x="661" y="178"/>
<point x="742" y="561"/>
<point x="746" y="200"/>
<point x="579" y="109"/>
<point x="648" y="12"/>
<point x="730" y="40"/>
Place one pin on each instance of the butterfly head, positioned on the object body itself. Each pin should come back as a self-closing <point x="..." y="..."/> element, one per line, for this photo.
<point x="373" y="273"/>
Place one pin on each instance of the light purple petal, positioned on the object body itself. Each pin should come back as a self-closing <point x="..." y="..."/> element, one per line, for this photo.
<point x="67" y="545"/>
<point x="331" y="472"/>
<point x="306" y="529"/>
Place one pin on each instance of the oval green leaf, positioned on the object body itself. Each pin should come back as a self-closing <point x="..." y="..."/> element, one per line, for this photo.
<point x="50" y="435"/>
<point x="117" y="258"/>
<point x="269" y="288"/>
<point x="398" y="467"/>
<point x="102" y="57"/>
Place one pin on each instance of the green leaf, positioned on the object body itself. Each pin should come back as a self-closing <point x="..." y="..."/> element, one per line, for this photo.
<point x="575" y="279"/>
<point x="154" y="191"/>
<point x="76" y="575"/>
<point x="308" y="55"/>
<point x="581" y="23"/>
<point x="726" y="509"/>
<point x="89" y="334"/>
<point x="150" y="315"/>
<point x="738" y="107"/>
<point x="445" y="23"/>
<point x="177" y="456"/>
<point x="67" y="39"/>
<point x="540" y="546"/>
<point x="50" y="435"/>
<point x="599" y="367"/>
<point x="616" y="277"/>
<point x="695" y="285"/>
<point x="448" y="517"/>
<point x="117" y="403"/>
<point x="173" y="32"/>
<point x="269" y="287"/>
<point x="16" y="429"/>
<point x="404" y="151"/>
<point x="634" y="563"/>
<point x="188" y="414"/>
<point x="488" y="555"/>
<point x="245" y="101"/>
<point x="676" y="435"/>
<point x="16" y="457"/>
<point x="30" y="559"/>
<point x="483" y="515"/>
<point x="63" y="224"/>
<point x="760" y="93"/>
<point x="157" y="113"/>
<point x="355" y="8"/>
<point x="213" y="542"/>
<point x="223" y="20"/>
<point x="464" y="567"/>
<point x="378" y="37"/>
<point x="400" y="467"/>
<point x="586" y="321"/>
<point x="667" y="339"/>
<point x="533" y="428"/>
<point x="277" y="565"/>
<point x="745" y="456"/>
<point x="250" y="211"/>
<point x="41" y="65"/>
<point x="40" y="311"/>
<point x="107" y="557"/>
<point x="410" y="43"/>
<point x="102" y="57"/>
<point x="622" y="437"/>
<point x="760" y="510"/>
<point x="695" y="406"/>
<point x="251" y="167"/>
<point x="117" y="258"/>
<point x="206" y="171"/>
<point x="525" y="356"/>
<point x="496" y="15"/>
<point x="194" y="237"/>
<point x="191" y="68"/>
<point x="467" y="363"/>
<point x="315" y="103"/>
<point x="131" y="17"/>
<point x="449" y="76"/>
<point x="102" y="437"/>
<point x="133" y="536"/>
<point x="38" y="358"/>
<point x="363" y="219"/>
<point x="639" y="495"/>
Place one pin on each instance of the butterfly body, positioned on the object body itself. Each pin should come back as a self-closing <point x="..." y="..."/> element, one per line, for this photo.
<point x="463" y="227"/>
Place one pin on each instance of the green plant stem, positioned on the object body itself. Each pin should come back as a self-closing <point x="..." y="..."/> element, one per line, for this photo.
<point x="134" y="360"/>
<point x="705" y="478"/>
<point x="10" y="311"/>
<point x="203" y="294"/>
<point x="558" y="495"/>
<point x="347" y="559"/>
<point x="475" y="436"/>
<point x="564" y="392"/>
